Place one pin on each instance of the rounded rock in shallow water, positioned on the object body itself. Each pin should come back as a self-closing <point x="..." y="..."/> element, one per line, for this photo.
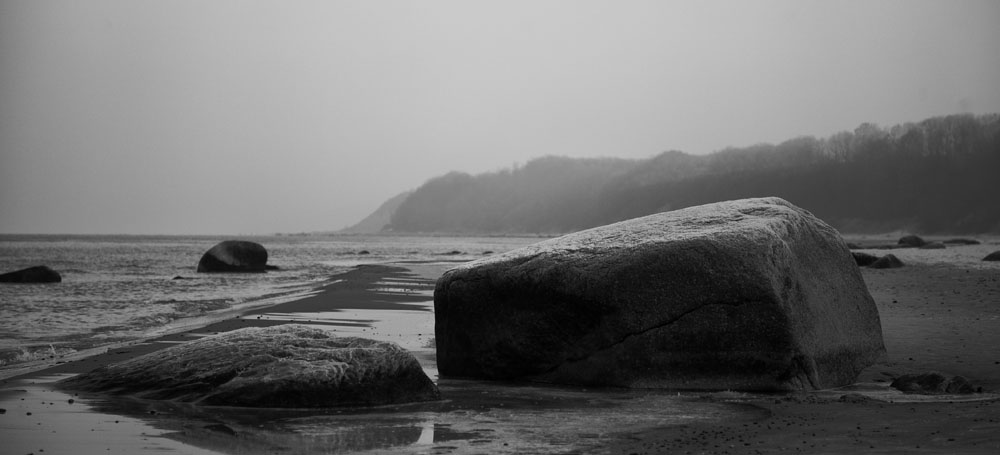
<point x="285" y="366"/>
<point x="234" y="256"/>
<point x="38" y="274"/>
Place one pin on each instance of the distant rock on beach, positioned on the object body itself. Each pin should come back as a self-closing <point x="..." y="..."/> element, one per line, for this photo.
<point x="889" y="261"/>
<point x="234" y="256"/>
<point x="994" y="256"/>
<point x="933" y="384"/>
<point x="289" y="366"/>
<point x="754" y="294"/>
<point x="911" y="241"/>
<point x="38" y="274"/>
<point x="864" y="259"/>
<point x="962" y="241"/>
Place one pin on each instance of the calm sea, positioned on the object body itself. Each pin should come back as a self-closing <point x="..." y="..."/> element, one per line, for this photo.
<point x="121" y="288"/>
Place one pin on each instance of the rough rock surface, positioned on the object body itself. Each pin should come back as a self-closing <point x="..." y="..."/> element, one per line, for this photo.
<point x="754" y="294"/>
<point x="889" y="261"/>
<point x="38" y="274"/>
<point x="933" y="384"/>
<point x="234" y="256"/>
<point x="286" y="366"/>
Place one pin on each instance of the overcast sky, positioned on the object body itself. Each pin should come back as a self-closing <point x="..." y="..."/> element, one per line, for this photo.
<point x="237" y="117"/>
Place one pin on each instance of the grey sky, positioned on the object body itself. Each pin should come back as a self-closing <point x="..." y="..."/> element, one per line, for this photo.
<point x="254" y="117"/>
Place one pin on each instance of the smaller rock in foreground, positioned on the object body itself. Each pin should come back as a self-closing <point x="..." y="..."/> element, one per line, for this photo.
<point x="285" y="366"/>
<point x="39" y="274"/>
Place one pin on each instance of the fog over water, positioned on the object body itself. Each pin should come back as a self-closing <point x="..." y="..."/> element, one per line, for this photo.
<point x="229" y="117"/>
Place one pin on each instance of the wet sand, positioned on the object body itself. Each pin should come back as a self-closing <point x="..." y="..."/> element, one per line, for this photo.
<point x="37" y="417"/>
<point x="941" y="312"/>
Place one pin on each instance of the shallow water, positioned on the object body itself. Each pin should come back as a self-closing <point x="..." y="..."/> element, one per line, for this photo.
<point x="475" y="417"/>
<point x="40" y="420"/>
<point x="121" y="288"/>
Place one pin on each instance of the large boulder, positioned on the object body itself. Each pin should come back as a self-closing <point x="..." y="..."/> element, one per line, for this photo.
<point x="287" y="366"/>
<point x="234" y="256"/>
<point x="754" y="294"/>
<point x="38" y="274"/>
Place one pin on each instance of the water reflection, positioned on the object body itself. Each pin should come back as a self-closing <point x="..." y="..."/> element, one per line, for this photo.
<point x="426" y="433"/>
<point x="476" y="417"/>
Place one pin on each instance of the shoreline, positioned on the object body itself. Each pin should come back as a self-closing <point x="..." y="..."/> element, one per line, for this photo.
<point x="927" y="326"/>
<point x="173" y="327"/>
<point x="37" y="415"/>
<point x="352" y="280"/>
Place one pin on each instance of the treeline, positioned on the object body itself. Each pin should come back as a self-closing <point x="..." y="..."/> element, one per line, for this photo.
<point x="938" y="175"/>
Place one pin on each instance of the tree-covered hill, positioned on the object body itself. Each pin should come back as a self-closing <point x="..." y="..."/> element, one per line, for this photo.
<point x="938" y="175"/>
<point x="379" y="219"/>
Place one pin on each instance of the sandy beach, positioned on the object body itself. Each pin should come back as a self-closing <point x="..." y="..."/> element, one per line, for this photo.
<point x="941" y="312"/>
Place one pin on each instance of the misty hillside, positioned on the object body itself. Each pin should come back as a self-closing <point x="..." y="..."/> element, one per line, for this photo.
<point x="380" y="218"/>
<point x="938" y="175"/>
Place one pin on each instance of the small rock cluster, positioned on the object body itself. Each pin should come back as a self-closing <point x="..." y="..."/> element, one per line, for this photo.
<point x="934" y="384"/>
